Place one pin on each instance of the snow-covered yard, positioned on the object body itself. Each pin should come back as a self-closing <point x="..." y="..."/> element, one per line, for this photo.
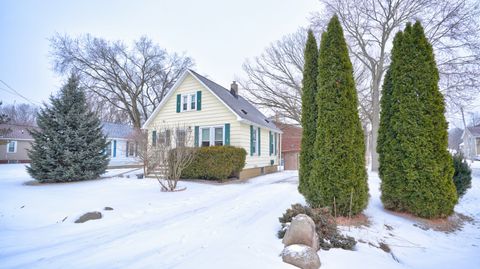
<point x="205" y="226"/>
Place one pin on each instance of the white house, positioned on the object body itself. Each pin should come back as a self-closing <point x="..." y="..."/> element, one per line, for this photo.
<point x="471" y="143"/>
<point x="121" y="148"/>
<point x="218" y="116"/>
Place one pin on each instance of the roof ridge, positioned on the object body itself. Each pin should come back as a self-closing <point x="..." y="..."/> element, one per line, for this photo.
<point x="197" y="74"/>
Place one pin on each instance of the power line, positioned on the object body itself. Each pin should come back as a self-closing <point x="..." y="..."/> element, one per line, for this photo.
<point x="13" y="91"/>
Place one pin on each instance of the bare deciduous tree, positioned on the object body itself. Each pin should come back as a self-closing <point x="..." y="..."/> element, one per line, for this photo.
<point x="369" y="26"/>
<point x="132" y="80"/>
<point x="22" y="114"/>
<point x="274" y="78"/>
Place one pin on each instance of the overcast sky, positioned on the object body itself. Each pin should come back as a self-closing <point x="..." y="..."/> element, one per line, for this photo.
<point x="217" y="34"/>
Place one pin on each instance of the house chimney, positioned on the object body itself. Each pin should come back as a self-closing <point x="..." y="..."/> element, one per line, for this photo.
<point x="234" y="89"/>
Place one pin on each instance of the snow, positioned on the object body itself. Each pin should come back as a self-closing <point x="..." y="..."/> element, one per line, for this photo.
<point x="296" y="250"/>
<point x="205" y="226"/>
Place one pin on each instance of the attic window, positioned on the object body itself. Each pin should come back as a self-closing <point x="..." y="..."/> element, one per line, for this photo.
<point x="244" y="112"/>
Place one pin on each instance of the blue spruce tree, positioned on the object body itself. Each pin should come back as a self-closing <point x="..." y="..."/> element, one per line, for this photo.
<point x="69" y="144"/>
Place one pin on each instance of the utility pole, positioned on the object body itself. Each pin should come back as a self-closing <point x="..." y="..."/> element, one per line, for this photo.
<point x="466" y="135"/>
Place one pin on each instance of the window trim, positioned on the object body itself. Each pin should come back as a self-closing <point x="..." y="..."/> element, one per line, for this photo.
<point x="14" y="146"/>
<point x="211" y="135"/>
<point x="188" y="102"/>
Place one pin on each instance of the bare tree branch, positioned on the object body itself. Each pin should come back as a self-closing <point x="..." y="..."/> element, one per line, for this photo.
<point x="131" y="81"/>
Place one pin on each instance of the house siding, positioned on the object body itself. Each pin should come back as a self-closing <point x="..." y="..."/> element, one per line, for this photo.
<point x="213" y="113"/>
<point x="21" y="155"/>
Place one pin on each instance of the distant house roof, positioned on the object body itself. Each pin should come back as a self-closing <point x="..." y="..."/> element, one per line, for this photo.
<point x="111" y="130"/>
<point x="237" y="104"/>
<point x="117" y="130"/>
<point x="16" y="132"/>
<point x="475" y="131"/>
<point x="291" y="137"/>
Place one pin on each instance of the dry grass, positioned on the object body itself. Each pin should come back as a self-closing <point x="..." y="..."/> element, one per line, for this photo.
<point x="451" y="224"/>
<point x="355" y="221"/>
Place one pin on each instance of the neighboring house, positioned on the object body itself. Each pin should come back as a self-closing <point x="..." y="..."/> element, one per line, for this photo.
<point x="217" y="116"/>
<point x="121" y="148"/>
<point x="291" y="141"/>
<point x="15" y="143"/>
<point x="471" y="143"/>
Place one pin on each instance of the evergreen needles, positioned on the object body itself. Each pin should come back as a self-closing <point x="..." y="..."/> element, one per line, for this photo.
<point x="309" y="111"/>
<point x="338" y="168"/>
<point x="69" y="144"/>
<point x="415" y="166"/>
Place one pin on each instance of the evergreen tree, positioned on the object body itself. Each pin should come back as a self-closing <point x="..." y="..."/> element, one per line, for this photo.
<point x="309" y="110"/>
<point x="462" y="177"/>
<point x="69" y="144"/>
<point x="415" y="166"/>
<point x="339" y="178"/>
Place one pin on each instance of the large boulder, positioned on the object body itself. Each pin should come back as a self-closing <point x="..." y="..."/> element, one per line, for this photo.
<point x="89" y="216"/>
<point x="301" y="256"/>
<point x="301" y="231"/>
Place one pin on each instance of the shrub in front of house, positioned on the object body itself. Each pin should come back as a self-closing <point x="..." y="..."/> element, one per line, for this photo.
<point x="462" y="177"/>
<point x="216" y="163"/>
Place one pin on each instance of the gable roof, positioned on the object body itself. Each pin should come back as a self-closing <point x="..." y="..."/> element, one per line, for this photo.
<point x="243" y="109"/>
<point x="117" y="130"/>
<point x="475" y="131"/>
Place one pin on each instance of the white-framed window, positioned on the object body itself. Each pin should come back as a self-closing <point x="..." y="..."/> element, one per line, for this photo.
<point x="12" y="147"/>
<point x="189" y="102"/>
<point x="193" y="101"/>
<point x="212" y="136"/>
<point x="131" y="149"/>
<point x="206" y="137"/>
<point x="185" y="102"/>
<point x="218" y="136"/>
<point x="181" y="137"/>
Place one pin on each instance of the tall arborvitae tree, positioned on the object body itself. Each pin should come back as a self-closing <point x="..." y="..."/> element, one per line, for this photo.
<point x="69" y="143"/>
<point x="309" y="111"/>
<point x="415" y="166"/>
<point x="339" y="177"/>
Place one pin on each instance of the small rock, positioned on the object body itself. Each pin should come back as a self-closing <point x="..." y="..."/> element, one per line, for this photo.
<point x="301" y="231"/>
<point x="108" y="208"/>
<point x="89" y="216"/>
<point x="301" y="256"/>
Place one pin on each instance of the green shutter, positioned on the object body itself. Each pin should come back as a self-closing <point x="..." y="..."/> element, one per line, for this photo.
<point x="270" y="142"/>
<point x="126" y="152"/>
<point x="199" y="100"/>
<point x="259" y="142"/>
<point x="275" y="145"/>
<point x="154" y="138"/>
<point x="251" y="140"/>
<point x="227" y="134"/>
<point x="179" y="101"/>
<point x="114" y="148"/>
<point x="197" y="130"/>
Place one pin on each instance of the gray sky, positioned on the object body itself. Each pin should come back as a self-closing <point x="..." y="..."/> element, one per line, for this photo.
<point x="217" y="34"/>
